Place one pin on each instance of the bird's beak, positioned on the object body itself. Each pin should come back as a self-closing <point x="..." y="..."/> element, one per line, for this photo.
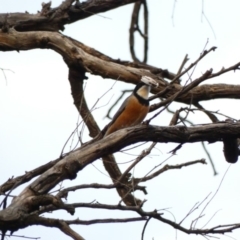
<point x="149" y="81"/>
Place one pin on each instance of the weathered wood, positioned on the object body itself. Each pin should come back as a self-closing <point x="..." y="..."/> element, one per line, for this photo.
<point x="16" y="215"/>
<point x="54" y="19"/>
<point x="75" y="54"/>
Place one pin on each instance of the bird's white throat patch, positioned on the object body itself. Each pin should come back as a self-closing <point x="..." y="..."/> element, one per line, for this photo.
<point x="143" y="91"/>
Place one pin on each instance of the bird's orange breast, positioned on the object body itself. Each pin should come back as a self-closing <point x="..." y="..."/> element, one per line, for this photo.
<point x="133" y="114"/>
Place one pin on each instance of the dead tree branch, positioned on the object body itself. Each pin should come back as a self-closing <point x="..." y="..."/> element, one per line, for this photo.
<point x="12" y="183"/>
<point x="57" y="223"/>
<point x="24" y="31"/>
<point x="166" y="168"/>
<point x="220" y="229"/>
<point x="76" y="77"/>
<point x="75" y="161"/>
<point x="134" y="27"/>
<point x="73" y="54"/>
<point x="55" y="19"/>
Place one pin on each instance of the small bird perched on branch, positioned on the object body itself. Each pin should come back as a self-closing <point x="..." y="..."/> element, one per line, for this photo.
<point x="135" y="108"/>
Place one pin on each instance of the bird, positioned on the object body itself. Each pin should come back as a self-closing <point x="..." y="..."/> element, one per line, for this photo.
<point x="135" y="107"/>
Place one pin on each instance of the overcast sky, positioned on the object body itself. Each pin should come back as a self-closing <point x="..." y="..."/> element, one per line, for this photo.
<point x="37" y="114"/>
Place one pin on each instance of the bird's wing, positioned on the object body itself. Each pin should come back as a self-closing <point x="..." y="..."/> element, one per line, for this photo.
<point x="120" y="110"/>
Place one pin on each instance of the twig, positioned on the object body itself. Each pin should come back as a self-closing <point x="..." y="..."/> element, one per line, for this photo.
<point x="176" y="116"/>
<point x="166" y="168"/>
<point x="213" y="195"/>
<point x="210" y="219"/>
<point x="144" y="227"/>
<point x="220" y="229"/>
<point x="107" y="220"/>
<point x="139" y="158"/>
<point x="134" y="26"/>
<point x="60" y="224"/>
<point x="65" y="191"/>
<point x="208" y="113"/>
<point x="204" y="15"/>
<point x="182" y="91"/>
<point x="194" y="63"/>
<point x="210" y="159"/>
<point x="160" y="94"/>
<point x="68" y="139"/>
<point x="195" y="207"/>
<point x="182" y="64"/>
<point x="20" y="236"/>
<point x="3" y="71"/>
<point x="194" y="68"/>
<point x="180" y="117"/>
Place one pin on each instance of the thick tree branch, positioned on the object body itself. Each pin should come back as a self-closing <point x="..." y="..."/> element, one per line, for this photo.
<point x="76" y="77"/>
<point x="73" y="54"/>
<point x="57" y="223"/>
<point x="12" y="183"/>
<point x="68" y="167"/>
<point x="24" y="31"/>
<point x="54" y="19"/>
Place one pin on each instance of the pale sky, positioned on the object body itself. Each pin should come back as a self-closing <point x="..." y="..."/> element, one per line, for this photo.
<point x="37" y="115"/>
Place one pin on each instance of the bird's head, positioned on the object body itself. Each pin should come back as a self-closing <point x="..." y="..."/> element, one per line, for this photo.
<point x="144" y="86"/>
<point x="149" y="81"/>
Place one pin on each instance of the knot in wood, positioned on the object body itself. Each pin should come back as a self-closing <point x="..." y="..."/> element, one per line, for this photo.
<point x="44" y="41"/>
<point x="74" y="50"/>
<point x="71" y="170"/>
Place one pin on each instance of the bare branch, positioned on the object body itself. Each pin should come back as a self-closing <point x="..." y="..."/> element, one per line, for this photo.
<point x="76" y="77"/>
<point x="19" y="236"/>
<point x="108" y="69"/>
<point x="24" y="31"/>
<point x="60" y="224"/>
<point x="194" y="208"/>
<point x="54" y="19"/>
<point x="144" y="228"/>
<point x="107" y="220"/>
<point x="208" y="113"/>
<point x="134" y="26"/>
<point x="139" y="158"/>
<point x="213" y="195"/>
<point x="64" y="192"/>
<point x="210" y="159"/>
<point x="182" y="64"/>
<point x="166" y="168"/>
<point x="4" y="74"/>
<point x="194" y="63"/>
<point x="12" y="183"/>
<point x="183" y="90"/>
